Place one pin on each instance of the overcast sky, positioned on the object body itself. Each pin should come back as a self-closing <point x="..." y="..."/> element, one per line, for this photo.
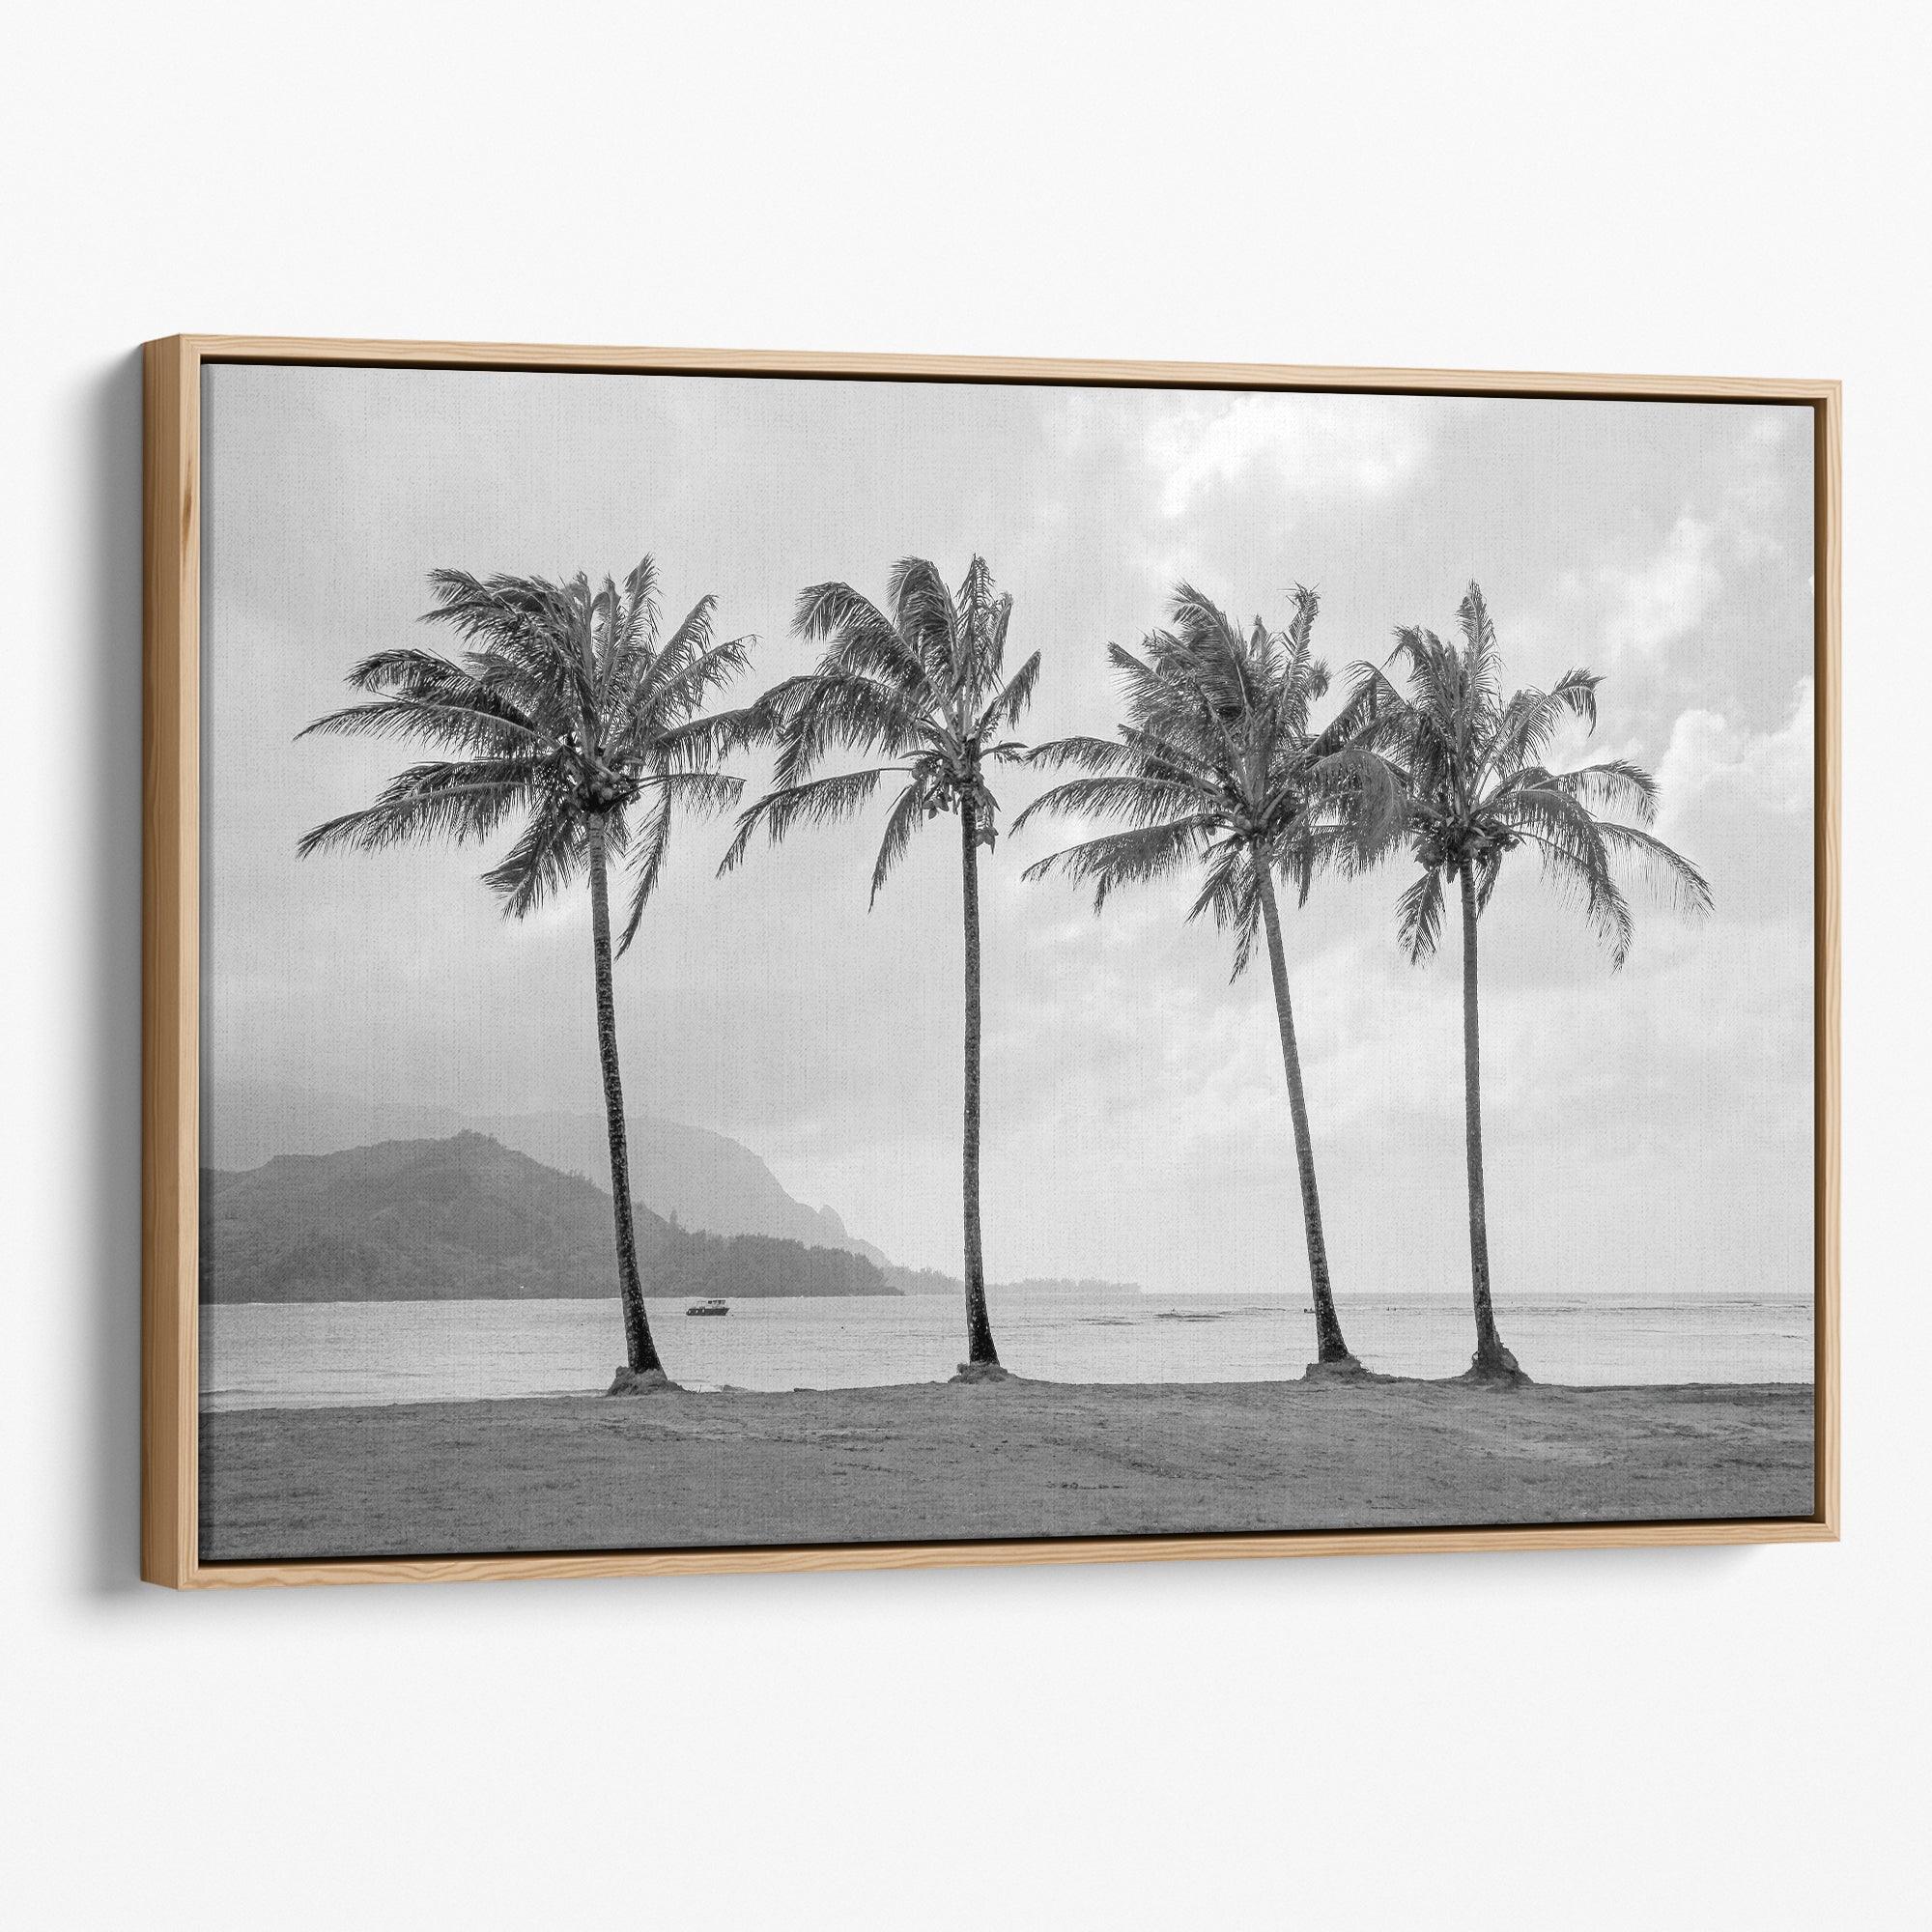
<point x="1648" y="1132"/>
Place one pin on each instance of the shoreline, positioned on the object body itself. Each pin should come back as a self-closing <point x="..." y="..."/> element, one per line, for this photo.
<point x="209" y="1408"/>
<point x="257" y="1356"/>
<point x="927" y="1461"/>
<point x="696" y="1391"/>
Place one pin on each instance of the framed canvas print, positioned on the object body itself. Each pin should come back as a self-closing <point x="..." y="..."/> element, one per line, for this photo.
<point x="770" y="961"/>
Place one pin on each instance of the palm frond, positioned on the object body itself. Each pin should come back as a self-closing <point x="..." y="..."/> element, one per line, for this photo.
<point x="844" y="711"/>
<point x="901" y="822"/>
<point x="811" y="802"/>
<point x="1584" y="877"/>
<point x="641" y="594"/>
<point x="1165" y="753"/>
<point x="664" y="702"/>
<point x="457" y="727"/>
<point x="1003" y="710"/>
<point x="980" y="628"/>
<point x="1083" y="753"/>
<point x="925" y="615"/>
<point x="527" y="622"/>
<point x="1117" y="859"/>
<point x="1664" y="870"/>
<point x="462" y="800"/>
<point x="551" y="848"/>
<point x="704" y="792"/>
<point x="1419" y="915"/>
<point x="860" y="639"/>
<point x="647" y="861"/>
<point x="1376" y="701"/>
<point x="1138" y="800"/>
<point x="1615" y="784"/>
<point x="1318" y="848"/>
<point x="1231" y="890"/>
<point x="1367" y="796"/>
<point x="1479" y="668"/>
<point x="696" y="744"/>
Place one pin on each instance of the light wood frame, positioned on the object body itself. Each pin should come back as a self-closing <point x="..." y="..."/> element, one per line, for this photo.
<point x="170" y="954"/>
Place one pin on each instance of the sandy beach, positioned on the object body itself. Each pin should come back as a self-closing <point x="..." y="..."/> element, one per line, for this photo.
<point x="943" y="1462"/>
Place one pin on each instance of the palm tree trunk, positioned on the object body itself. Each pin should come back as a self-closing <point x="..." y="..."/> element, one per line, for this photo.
<point x="641" y="1350"/>
<point x="1492" y="1359"/>
<point x="979" y="1349"/>
<point x="1329" y="1344"/>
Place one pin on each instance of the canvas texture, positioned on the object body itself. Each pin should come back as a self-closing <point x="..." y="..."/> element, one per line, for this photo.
<point x="1019" y="1216"/>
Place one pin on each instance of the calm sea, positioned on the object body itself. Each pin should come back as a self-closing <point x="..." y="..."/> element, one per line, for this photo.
<point x="256" y="1355"/>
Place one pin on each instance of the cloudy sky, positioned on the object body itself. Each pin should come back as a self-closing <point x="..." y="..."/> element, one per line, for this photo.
<point x="1648" y="1132"/>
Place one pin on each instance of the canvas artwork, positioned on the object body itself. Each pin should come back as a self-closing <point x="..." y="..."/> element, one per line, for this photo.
<point x="800" y="961"/>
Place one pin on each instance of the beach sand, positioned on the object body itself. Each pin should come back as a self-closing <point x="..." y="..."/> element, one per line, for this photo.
<point x="1014" y="1460"/>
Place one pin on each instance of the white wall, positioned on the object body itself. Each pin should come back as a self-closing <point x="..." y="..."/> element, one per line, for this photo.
<point x="1707" y="1738"/>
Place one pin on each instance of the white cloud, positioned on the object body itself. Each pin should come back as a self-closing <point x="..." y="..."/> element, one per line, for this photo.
<point x="1313" y="444"/>
<point x="1705" y="563"/>
<point x="1771" y="771"/>
<point x="1668" y="597"/>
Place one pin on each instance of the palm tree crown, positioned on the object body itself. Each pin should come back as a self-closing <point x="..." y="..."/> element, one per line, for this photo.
<point x="566" y="708"/>
<point x="1471" y="763"/>
<point x="1217" y="762"/>
<point x="923" y="688"/>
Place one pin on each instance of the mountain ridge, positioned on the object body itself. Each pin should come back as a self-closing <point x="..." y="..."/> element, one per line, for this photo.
<point x="709" y="1181"/>
<point x="467" y="1218"/>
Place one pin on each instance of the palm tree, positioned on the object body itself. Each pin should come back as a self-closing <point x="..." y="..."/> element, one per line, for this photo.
<point x="569" y="714"/>
<point x="1217" y="764"/>
<point x="1470" y="764"/>
<point x="925" y="689"/>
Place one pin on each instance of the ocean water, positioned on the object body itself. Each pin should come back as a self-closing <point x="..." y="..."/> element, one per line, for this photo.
<point x="258" y="1355"/>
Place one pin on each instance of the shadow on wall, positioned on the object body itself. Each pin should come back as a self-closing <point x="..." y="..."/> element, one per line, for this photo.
<point x="105" y="684"/>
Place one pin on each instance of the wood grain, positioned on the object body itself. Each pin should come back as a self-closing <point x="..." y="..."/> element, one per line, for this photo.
<point x="170" y="958"/>
<point x="171" y="947"/>
<point x="980" y="1555"/>
<point x="1827" y="597"/>
<point x="319" y="351"/>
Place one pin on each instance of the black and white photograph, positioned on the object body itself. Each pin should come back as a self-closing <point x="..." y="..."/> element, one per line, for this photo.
<point x="965" y="967"/>
<point x="796" y="961"/>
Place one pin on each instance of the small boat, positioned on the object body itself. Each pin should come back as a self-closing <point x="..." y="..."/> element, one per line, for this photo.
<point x="717" y="1305"/>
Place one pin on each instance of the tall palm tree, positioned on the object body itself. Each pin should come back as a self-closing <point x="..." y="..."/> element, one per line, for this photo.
<point x="923" y="688"/>
<point x="568" y="713"/>
<point x="1470" y="764"/>
<point x="1217" y="764"/>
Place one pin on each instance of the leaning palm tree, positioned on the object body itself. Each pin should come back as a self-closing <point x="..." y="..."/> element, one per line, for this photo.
<point x="1217" y="764"/>
<point x="923" y="688"/>
<point x="1470" y="764"/>
<point x="568" y="713"/>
